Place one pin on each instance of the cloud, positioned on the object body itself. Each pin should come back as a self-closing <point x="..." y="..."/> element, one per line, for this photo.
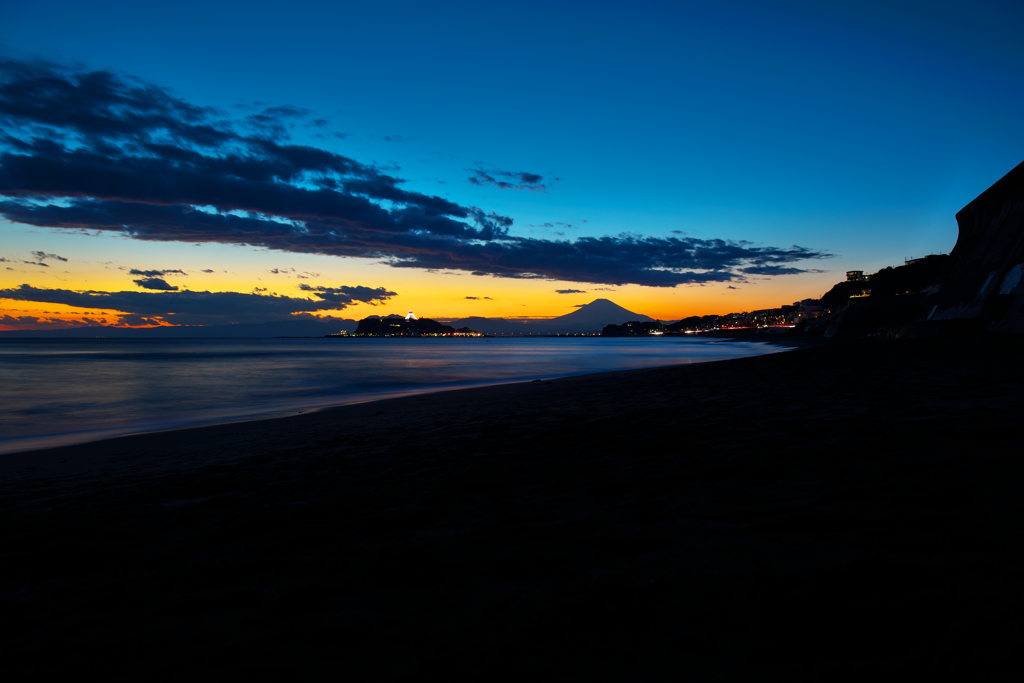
<point x="562" y="224"/>
<point x="42" y="256"/>
<point x="155" y="283"/>
<point x="520" y="180"/>
<point x="206" y="270"/>
<point x="37" y="323"/>
<point x="286" y="271"/>
<point x="276" y="121"/>
<point x="202" y="308"/>
<point x="774" y="270"/>
<point x="395" y="138"/>
<point x="157" y="273"/>
<point x="570" y="291"/>
<point x="342" y="297"/>
<point x="91" y="150"/>
<point x="474" y="298"/>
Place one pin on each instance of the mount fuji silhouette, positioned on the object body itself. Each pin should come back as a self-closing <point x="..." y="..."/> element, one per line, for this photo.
<point x="590" y="317"/>
<point x="598" y="313"/>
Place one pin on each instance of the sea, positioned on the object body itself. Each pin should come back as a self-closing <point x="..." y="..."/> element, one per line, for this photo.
<point x="56" y="392"/>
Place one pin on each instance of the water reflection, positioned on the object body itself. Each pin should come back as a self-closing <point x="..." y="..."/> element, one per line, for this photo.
<point x="64" y="391"/>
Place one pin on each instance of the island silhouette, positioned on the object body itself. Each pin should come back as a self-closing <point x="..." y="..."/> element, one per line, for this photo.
<point x="406" y="326"/>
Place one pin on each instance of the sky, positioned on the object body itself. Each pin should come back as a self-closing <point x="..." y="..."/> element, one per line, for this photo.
<point x="237" y="162"/>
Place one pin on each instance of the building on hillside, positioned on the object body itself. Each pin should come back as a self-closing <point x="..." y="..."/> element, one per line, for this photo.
<point x="808" y="308"/>
<point x="855" y="276"/>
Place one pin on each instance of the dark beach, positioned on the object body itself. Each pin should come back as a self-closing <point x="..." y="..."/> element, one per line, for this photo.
<point x="831" y="511"/>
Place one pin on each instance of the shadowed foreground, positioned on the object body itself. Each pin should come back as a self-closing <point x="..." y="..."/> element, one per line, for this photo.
<point x="820" y="512"/>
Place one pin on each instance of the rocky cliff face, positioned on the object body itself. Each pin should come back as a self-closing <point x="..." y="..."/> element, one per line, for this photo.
<point x="983" y="277"/>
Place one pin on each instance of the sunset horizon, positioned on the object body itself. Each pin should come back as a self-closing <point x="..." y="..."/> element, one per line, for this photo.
<point x="140" y="191"/>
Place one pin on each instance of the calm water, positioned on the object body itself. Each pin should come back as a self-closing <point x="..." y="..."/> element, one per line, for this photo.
<point x="60" y="391"/>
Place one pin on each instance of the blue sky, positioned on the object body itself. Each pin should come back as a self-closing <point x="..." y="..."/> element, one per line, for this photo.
<point x="857" y="129"/>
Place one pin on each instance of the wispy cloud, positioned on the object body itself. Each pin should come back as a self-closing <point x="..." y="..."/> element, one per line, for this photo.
<point x="157" y="273"/>
<point x="42" y="256"/>
<point x="507" y="180"/>
<point x="395" y="138"/>
<point x="767" y="269"/>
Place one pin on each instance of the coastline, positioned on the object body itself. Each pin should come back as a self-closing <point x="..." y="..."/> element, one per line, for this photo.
<point x="826" y="511"/>
<point x="245" y="414"/>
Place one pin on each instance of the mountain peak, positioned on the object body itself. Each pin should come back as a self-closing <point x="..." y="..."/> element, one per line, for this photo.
<point x="592" y="317"/>
<point x="601" y="312"/>
<point x="597" y="303"/>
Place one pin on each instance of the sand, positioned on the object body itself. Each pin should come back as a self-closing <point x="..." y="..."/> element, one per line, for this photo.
<point x="823" y="512"/>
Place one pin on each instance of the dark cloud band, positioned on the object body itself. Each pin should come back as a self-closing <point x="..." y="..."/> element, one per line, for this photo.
<point x="203" y="308"/>
<point x="98" y="152"/>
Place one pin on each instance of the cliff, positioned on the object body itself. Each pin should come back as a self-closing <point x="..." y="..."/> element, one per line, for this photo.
<point x="982" y="278"/>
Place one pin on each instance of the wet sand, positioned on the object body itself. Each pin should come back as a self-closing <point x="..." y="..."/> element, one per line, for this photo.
<point x="823" y="512"/>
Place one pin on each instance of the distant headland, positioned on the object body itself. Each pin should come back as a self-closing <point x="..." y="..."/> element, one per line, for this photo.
<point x="860" y="305"/>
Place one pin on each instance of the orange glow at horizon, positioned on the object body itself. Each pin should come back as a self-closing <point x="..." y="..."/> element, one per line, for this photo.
<point x="56" y="316"/>
<point x="437" y="295"/>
